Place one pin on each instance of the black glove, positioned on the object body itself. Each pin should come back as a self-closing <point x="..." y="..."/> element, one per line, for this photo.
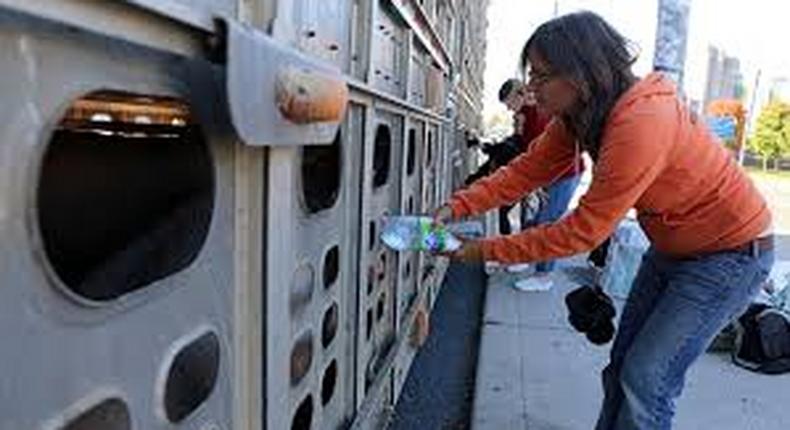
<point x="591" y="311"/>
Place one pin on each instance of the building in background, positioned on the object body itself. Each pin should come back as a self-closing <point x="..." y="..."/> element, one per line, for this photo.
<point x="724" y="77"/>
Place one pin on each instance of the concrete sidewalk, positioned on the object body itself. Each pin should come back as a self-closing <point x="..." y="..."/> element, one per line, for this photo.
<point x="534" y="372"/>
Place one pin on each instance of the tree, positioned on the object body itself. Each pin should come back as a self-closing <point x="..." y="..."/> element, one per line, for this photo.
<point x="772" y="134"/>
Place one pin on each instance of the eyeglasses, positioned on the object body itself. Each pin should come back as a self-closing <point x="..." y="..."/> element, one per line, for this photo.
<point x="538" y="78"/>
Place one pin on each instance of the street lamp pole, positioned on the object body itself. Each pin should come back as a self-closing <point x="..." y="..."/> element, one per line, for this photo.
<point x="671" y="36"/>
<point x="748" y="120"/>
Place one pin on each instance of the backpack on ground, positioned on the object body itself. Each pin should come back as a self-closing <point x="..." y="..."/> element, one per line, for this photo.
<point x="762" y="340"/>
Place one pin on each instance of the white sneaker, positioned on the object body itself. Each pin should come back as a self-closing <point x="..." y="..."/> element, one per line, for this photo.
<point x="518" y="268"/>
<point x="534" y="283"/>
<point x="492" y="267"/>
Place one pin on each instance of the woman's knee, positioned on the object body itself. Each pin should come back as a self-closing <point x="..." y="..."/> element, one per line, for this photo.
<point x="642" y="377"/>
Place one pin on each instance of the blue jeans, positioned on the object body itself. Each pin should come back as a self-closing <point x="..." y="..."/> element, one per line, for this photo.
<point x="673" y="312"/>
<point x="560" y="195"/>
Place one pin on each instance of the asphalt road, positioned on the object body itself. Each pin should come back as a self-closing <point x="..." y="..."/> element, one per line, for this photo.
<point x="440" y="387"/>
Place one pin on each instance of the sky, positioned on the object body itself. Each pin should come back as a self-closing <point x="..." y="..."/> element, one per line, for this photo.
<point x="757" y="32"/>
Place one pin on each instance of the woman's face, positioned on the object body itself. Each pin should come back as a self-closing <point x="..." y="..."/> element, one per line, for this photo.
<point x="554" y="94"/>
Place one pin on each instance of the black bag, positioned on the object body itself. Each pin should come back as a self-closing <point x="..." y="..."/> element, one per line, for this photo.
<point x="762" y="340"/>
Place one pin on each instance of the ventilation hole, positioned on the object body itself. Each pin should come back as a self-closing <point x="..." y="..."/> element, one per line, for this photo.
<point x="302" y="288"/>
<point x="427" y="272"/>
<point x="372" y="235"/>
<point x="429" y="149"/>
<point x="329" y="325"/>
<point x="111" y="414"/>
<point x="382" y="267"/>
<point x="410" y="205"/>
<point x="407" y="270"/>
<point x="303" y="418"/>
<point x="328" y="383"/>
<point x="191" y="377"/>
<point x="369" y="324"/>
<point x="301" y="357"/>
<point x="321" y="175"/>
<point x="331" y="266"/>
<point x="380" y="307"/>
<point x="412" y="152"/>
<point x="381" y="156"/>
<point x="372" y="366"/>
<point x="109" y="225"/>
<point x="371" y="279"/>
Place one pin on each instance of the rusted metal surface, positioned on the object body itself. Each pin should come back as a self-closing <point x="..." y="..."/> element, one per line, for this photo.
<point x="305" y="97"/>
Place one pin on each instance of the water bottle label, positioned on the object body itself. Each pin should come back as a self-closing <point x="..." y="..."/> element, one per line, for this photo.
<point x="433" y="236"/>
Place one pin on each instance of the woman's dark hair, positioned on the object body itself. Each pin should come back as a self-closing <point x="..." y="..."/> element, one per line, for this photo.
<point x="585" y="49"/>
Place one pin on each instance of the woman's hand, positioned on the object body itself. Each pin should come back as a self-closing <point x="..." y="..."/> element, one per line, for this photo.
<point x="443" y="215"/>
<point x="469" y="252"/>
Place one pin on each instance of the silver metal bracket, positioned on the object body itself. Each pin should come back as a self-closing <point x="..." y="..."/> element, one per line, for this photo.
<point x="277" y="95"/>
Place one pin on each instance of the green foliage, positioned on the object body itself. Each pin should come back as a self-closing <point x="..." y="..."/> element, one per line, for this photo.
<point x="771" y="137"/>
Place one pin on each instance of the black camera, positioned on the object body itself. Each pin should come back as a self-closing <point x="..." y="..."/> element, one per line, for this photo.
<point x="591" y="311"/>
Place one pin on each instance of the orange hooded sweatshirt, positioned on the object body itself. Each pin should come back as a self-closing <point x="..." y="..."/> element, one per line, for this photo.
<point x="690" y="195"/>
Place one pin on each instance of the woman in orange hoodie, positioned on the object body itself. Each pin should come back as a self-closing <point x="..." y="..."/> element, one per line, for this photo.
<point x="709" y="227"/>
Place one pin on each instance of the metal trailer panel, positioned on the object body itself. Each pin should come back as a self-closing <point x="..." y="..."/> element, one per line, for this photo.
<point x="388" y="69"/>
<point x="257" y="281"/>
<point x="313" y="233"/>
<point x="118" y="20"/>
<point x="123" y="348"/>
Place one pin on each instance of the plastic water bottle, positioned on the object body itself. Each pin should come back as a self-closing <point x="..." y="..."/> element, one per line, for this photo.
<point x="466" y="229"/>
<point x="624" y="257"/>
<point x="418" y="233"/>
